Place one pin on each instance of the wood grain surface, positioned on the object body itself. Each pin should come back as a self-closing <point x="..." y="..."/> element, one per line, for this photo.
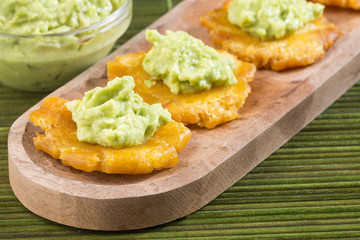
<point x="280" y="105"/>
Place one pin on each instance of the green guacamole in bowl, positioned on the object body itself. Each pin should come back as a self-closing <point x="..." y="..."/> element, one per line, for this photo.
<point x="45" y="43"/>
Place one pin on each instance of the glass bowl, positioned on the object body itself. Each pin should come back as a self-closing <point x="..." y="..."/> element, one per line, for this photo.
<point x="45" y="62"/>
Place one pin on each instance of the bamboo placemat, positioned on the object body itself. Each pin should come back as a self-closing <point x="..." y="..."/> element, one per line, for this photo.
<point x="308" y="189"/>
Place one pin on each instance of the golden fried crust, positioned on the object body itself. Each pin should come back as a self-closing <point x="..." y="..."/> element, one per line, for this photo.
<point x="60" y="141"/>
<point x="207" y="108"/>
<point x="354" y="4"/>
<point x="304" y="47"/>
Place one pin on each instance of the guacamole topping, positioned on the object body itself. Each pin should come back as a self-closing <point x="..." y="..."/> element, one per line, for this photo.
<point x="115" y="116"/>
<point x="24" y="17"/>
<point x="273" y="19"/>
<point x="186" y="64"/>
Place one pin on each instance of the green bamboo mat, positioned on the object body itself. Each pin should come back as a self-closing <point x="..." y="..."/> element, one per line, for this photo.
<point x="308" y="189"/>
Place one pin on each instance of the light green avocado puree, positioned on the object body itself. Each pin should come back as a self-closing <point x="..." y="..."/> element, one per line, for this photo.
<point x="23" y="17"/>
<point x="115" y="116"/>
<point x="273" y="19"/>
<point x="186" y="64"/>
<point x="43" y="63"/>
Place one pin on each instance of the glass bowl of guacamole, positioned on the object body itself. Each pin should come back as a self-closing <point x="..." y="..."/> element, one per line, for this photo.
<point x="44" y="44"/>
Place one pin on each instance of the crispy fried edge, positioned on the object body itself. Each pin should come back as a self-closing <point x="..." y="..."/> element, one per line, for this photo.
<point x="54" y="105"/>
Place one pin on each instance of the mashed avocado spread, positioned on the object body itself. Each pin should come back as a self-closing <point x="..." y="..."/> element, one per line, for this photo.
<point x="273" y="19"/>
<point x="186" y="64"/>
<point x="23" y="17"/>
<point x="115" y="116"/>
<point x="40" y="48"/>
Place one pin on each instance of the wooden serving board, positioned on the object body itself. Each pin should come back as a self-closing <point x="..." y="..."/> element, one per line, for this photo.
<point x="279" y="106"/>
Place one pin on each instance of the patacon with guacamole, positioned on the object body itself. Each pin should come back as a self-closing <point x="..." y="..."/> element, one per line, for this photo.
<point x="45" y="43"/>
<point x="110" y="130"/>
<point x="275" y="34"/>
<point x="194" y="82"/>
